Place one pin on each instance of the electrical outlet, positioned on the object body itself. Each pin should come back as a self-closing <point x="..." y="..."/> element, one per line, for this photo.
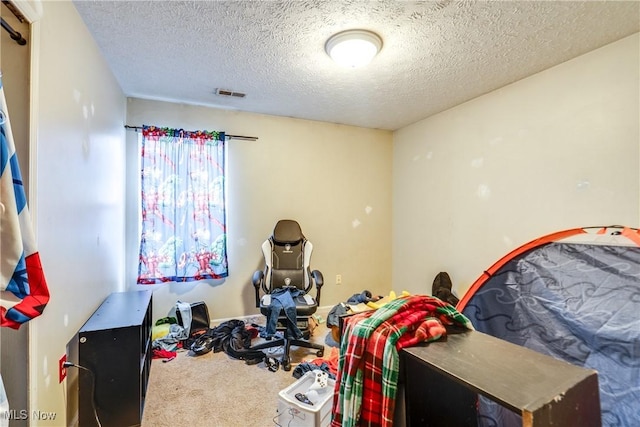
<point x="62" y="370"/>
<point x="338" y="279"/>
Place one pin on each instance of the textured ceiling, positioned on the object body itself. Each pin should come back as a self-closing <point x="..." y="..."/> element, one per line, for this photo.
<point x="436" y="54"/>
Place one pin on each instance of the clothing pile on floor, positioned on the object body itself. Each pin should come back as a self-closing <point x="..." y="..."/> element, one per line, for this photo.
<point x="368" y="366"/>
<point x="344" y="308"/>
<point x="233" y="337"/>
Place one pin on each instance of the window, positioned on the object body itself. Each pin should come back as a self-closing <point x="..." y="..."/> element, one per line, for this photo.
<point x="183" y="206"/>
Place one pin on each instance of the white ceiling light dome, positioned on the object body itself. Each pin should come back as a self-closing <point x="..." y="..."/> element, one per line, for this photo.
<point x="353" y="48"/>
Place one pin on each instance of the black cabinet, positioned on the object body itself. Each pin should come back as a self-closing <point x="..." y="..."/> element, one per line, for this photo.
<point x="114" y="346"/>
<point x="442" y="380"/>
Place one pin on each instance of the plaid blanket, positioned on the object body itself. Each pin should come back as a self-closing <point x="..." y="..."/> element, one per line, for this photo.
<point x="368" y="365"/>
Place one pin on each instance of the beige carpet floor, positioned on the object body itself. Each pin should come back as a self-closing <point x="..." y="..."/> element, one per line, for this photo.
<point x="217" y="390"/>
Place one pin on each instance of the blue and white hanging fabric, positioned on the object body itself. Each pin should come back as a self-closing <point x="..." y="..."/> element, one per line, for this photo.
<point x="20" y="268"/>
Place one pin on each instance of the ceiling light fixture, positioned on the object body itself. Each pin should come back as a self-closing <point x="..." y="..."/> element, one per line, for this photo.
<point x="353" y="48"/>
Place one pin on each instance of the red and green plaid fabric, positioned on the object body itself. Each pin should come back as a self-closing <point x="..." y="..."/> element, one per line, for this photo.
<point x="368" y="365"/>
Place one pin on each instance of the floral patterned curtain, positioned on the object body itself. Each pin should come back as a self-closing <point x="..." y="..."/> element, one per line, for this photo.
<point x="183" y="206"/>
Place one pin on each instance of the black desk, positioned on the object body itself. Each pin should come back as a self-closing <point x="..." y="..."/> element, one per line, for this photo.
<point x="442" y="379"/>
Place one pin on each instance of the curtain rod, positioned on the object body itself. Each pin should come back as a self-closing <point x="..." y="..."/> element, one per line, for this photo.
<point x="13" y="9"/>
<point x="241" y="137"/>
<point x="14" y="34"/>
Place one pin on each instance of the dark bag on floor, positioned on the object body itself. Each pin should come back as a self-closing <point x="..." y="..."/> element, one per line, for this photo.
<point x="199" y="318"/>
<point x="441" y="288"/>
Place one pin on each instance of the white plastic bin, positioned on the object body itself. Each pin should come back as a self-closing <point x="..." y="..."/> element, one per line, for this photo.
<point x="293" y="413"/>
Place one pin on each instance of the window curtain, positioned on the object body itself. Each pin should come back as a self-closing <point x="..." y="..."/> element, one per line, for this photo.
<point x="183" y="206"/>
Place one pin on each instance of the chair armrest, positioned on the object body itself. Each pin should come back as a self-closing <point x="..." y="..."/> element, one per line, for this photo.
<point x="319" y="279"/>
<point x="258" y="278"/>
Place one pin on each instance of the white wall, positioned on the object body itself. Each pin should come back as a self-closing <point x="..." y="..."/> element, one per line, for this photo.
<point x="335" y="180"/>
<point x="557" y="150"/>
<point x="80" y="193"/>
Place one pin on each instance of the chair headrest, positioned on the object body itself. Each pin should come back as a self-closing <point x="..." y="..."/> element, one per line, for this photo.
<point x="287" y="231"/>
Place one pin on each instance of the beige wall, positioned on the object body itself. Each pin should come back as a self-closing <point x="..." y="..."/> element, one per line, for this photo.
<point x="79" y="202"/>
<point x="333" y="179"/>
<point x="557" y="150"/>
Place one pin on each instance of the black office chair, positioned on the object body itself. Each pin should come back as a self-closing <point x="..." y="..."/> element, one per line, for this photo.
<point x="285" y="283"/>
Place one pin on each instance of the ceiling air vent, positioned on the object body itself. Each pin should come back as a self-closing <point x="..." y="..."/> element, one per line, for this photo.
<point x="225" y="92"/>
